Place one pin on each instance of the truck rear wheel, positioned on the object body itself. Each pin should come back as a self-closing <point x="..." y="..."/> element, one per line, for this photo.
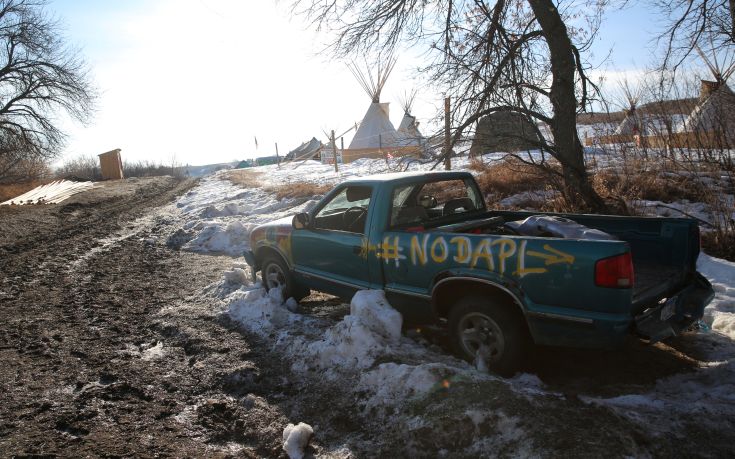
<point x="275" y="273"/>
<point x="488" y="332"/>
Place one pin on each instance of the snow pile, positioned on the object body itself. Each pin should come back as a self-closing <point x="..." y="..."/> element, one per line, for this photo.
<point x="261" y="311"/>
<point x="295" y="439"/>
<point x="349" y="349"/>
<point x="720" y="314"/>
<point x="219" y="216"/>
<point x="153" y="352"/>
<point x="370" y="330"/>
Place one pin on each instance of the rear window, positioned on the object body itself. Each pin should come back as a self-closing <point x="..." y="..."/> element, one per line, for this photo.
<point x="420" y="203"/>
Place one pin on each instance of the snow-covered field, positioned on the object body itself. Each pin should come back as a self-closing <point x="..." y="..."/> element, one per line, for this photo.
<point x="366" y="354"/>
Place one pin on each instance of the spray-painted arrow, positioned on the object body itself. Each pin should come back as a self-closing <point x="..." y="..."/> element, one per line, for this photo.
<point x="555" y="257"/>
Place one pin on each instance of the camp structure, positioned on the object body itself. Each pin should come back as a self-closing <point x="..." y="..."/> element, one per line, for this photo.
<point x="712" y="122"/>
<point x="376" y="137"/>
<point x="409" y="127"/>
<point x="307" y="150"/>
<point x="631" y="125"/>
<point x="505" y="131"/>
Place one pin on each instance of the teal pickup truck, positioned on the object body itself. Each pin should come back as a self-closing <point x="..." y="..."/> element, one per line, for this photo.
<point x="501" y="280"/>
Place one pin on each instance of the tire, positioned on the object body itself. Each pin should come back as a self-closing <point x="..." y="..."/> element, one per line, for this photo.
<point x="477" y="321"/>
<point x="274" y="273"/>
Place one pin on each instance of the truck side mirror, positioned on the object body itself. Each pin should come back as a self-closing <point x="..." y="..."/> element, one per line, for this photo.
<point x="427" y="201"/>
<point x="300" y="221"/>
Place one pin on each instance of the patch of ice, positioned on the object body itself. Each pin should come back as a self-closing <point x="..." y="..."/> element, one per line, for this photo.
<point x="392" y="382"/>
<point x="296" y="438"/>
<point x="153" y="352"/>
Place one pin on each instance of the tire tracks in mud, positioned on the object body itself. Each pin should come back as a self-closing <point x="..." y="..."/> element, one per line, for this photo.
<point x="92" y="362"/>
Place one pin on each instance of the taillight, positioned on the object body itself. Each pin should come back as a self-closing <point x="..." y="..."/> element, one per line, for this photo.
<point x="615" y="272"/>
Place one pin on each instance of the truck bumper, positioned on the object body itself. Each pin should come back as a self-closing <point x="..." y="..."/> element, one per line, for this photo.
<point x="677" y="313"/>
<point x="252" y="262"/>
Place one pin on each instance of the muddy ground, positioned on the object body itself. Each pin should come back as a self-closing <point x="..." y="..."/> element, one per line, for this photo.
<point x="108" y="348"/>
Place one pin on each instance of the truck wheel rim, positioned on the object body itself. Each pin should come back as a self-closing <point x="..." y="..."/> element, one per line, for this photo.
<point x="274" y="276"/>
<point x="481" y="337"/>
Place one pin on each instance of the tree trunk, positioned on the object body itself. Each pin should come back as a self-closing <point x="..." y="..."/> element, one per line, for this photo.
<point x="577" y="187"/>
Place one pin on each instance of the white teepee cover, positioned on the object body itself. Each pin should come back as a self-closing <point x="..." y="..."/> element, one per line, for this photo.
<point x="375" y="129"/>
<point x="630" y="125"/>
<point x="715" y="113"/>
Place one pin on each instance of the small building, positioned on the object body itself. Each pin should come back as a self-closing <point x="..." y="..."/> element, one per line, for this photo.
<point x="111" y="165"/>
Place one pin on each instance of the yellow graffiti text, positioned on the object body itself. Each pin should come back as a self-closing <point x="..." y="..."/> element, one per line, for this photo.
<point x="463" y="249"/>
<point x="507" y="250"/>
<point x="483" y="251"/>
<point x="439" y="256"/>
<point x="418" y="250"/>
<point x="555" y="257"/>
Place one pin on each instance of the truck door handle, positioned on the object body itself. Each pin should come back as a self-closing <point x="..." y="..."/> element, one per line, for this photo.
<point x="357" y="249"/>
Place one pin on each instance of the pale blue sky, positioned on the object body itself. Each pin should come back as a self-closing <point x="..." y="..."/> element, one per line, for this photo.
<point x="201" y="78"/>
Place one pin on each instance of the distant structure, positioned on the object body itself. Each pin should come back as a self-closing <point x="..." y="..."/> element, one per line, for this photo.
<point x="714" y="115"/>
<point x="376" y="137"/>
<point x="409" y="127"/>
<point x="111" y="165"/>
<point x="310" y="149"/>
<point x="505" y="131"/>
<point x="631" y="124"/>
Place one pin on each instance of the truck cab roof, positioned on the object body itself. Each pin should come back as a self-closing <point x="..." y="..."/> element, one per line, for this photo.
<point x="407" y="177"/>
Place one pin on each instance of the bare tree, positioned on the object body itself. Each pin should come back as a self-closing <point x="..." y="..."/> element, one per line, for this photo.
<point x="692" y="23"/>
<point x="507" y="55"/>
<point x="40" y="78"/>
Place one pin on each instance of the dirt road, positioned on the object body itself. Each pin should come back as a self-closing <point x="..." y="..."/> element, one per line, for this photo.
<point x="91" y="362"/>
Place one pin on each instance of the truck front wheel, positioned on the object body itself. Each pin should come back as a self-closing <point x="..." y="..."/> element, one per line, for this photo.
<point x="275" y="273"/>
<point x="489" y="334"/>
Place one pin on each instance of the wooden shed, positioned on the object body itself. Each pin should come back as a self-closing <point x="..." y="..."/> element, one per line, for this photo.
<point x="111" y="165"/>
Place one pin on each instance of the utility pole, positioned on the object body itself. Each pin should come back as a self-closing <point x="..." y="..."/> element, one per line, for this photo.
<point x="447" y="147"/>
<point x="342" y="147"/>
<point x="334" y="153"/>
<point x="278" y="157"/>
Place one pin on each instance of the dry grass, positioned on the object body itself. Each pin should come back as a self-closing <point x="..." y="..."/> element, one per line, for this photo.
<point x="245" y="178"/>
<point x="719" y="244"/>
<point x="299" y="190"/>
<point x="647" y="181"/>
<point x="251" y="179"/>
<point x="9" y="191"/>
<point x="508" y="177"/>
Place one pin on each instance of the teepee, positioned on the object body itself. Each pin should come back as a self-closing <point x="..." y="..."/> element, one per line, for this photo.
<point x="409" y="127"/>
<point x="631" y="124"/>
<point x="715" y="111"/>
<point x="375" y="131"/>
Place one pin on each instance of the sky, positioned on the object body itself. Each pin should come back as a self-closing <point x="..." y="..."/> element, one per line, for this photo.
<point x="197" y="81"/>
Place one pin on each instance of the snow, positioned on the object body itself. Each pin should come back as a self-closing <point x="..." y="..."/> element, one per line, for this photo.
<point x="295" y="439"/>
<point x="720" y="313"/>
<point x="349" y="347"/>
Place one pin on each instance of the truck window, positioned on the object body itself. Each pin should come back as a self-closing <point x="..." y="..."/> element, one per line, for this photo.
<point x="346" y="211"/>
<point x="420" y="203"/>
